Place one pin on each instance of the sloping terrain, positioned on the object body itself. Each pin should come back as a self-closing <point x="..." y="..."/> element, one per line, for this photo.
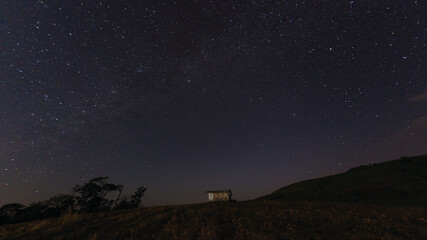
<point x="402" y="182"/>
<point x="380" y="201"/>
<point x="242" y="220"/>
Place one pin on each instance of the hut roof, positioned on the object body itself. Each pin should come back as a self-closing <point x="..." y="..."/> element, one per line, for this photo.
<point x="220" y="191"/>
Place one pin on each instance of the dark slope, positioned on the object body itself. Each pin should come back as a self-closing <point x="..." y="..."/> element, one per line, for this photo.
<point x="402" y="181"/>
<point x="255" y="220"/>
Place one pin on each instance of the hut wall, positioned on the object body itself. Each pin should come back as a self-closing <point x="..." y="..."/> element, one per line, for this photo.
<point x="221" y="197"/>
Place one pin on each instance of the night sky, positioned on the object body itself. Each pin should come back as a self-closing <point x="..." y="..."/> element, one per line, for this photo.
<point x="187" y="96"/>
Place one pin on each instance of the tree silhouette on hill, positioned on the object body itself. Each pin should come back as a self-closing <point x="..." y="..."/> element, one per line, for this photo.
<point x="93" y="196"/>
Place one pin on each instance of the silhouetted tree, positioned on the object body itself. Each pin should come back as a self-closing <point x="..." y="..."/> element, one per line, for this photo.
<point x="54" y="207"/>
<point x="91" y="197"/>
<point x="134" y="201"/>
<point x="35" y="211"/>
<point x="10" y="213"/>
<point x="120" y="190"/>
<point x="136" y="198"/>
<point x="59" y="204"/>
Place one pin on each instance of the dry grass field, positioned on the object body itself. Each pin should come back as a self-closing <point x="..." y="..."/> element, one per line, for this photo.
<point x="242" y="220"/>
<point x="380" y="201"/>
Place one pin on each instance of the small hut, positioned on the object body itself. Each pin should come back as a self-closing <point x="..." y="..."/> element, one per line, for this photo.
<point x="219" y="195"/>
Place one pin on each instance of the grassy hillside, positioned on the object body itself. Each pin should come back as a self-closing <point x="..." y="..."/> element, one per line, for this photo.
<point x="402" y="181"/>
<point x="242" y="220"/>
<point x="317" y="213"/>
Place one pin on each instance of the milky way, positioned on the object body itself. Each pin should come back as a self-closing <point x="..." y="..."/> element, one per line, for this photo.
<point x="188" y="96"/>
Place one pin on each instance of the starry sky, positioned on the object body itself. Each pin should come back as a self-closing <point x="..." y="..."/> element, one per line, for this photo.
<point x="187" y="96"/>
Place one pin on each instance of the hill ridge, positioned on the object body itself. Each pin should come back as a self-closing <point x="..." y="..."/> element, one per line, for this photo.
<point x="402" y="181"/>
